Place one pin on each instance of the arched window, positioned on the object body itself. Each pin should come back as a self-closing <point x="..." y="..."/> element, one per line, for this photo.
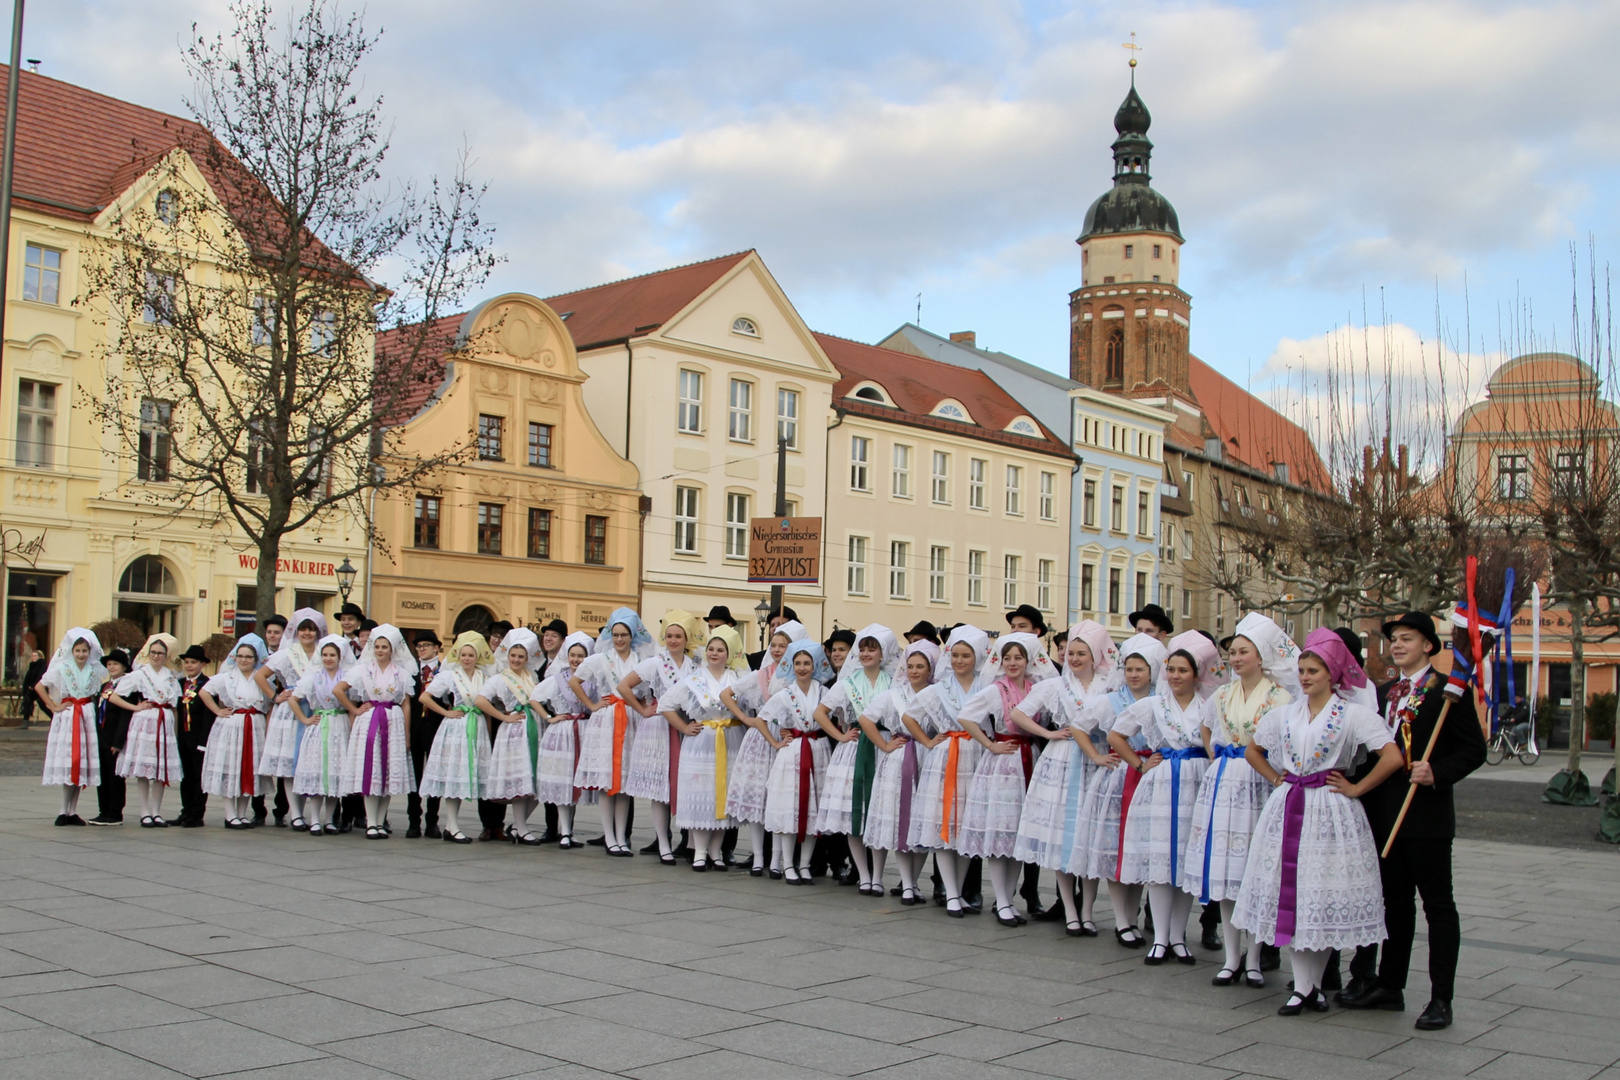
<point x="148" y="574"/>
<point x="149" y="596"/>
<point x="869" y="393"/>
<point x="1114" y="357"/>
<point x="477" y="617"/>
<point x="745" y="326"/>
<point x="167" y="206"/>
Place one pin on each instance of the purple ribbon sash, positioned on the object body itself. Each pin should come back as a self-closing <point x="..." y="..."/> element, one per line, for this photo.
<point x="1293" y="824"/>
<point x="378" y="725"/>
<point x="908" y="783"/>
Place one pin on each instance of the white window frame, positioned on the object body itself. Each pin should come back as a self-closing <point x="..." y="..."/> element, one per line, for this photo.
<point x="1015" y="491"/>
<point x="1048" y="496"/>
<point x="689" y="401"/>
<point x="36" y="424"/>
<point x="1012" y="568"/>
<point x="1088" y="503"/>
<point x="1043" y="584"/>
<point x="39" y="276"/>
<point x="1144" y="512"/>
<point x="1116" y="509"/>
<point x="787" y="415"/>
<point x="688" y="501"/>
<point x="978" y="480"/>
<point x="939" y="561"/>
<point x="737" y="524"/>
<point x="975" y="577"/>
<point x="740" y="411"/>
<point x="900" y="483"/>
<point x="940" y="482"/>
<point x="860" y="463"/>
<point x="855" y="581"/>
<point x="899" y="564"/>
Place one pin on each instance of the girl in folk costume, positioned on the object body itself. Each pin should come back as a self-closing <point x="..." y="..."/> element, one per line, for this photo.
<point x="559" y="746"/>
<point x="710" y="739"/>
<point x="325" y="732"/>
<point x="457" y="767"/>
<point x="1102" y="813"/>
<point x="609" y="737"/>
<point x="894" y="782"/>
<point x="68" y="691"/>
<point x="1265" y="663"/>
<point x="1312" y="880"/>
<point x="377" y="765"/>
<point x="1052" y="805"/>
<point x="995" y="801"/>
<point x="1158" y="819"/>
<point x="284" y="734"/>
<point x="751" y="770"/>
<point x="515" y="760"/>
<point x="853" y="765"/>
<point x="236" y="743"/>
<point x="947" y="771"/>
<point x="150" y="757"/>
<point x="656" y="753"/>
<point x="798" y="773"/>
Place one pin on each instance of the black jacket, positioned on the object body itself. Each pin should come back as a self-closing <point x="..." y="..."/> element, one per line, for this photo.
<point x="1459" y="751"/>
<point x="194" y="716"/>
<point x="112" y="722"/>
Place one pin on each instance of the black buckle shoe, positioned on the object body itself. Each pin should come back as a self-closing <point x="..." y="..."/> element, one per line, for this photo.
<point x="1378" y="997"/>
<point x="1436" y="1015"/>
<point x="413" y="832"/>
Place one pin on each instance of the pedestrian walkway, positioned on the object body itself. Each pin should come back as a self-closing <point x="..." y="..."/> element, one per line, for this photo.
<point x="137" y="954"/>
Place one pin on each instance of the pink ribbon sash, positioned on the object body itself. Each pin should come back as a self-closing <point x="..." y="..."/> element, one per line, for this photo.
<point x="378" y="725"/>
<point x="1293" y="825"/>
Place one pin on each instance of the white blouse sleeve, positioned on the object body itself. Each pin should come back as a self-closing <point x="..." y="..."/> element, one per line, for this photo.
<point x="1367" y="728"/>
<point x="1135" y="718"/>
<point x="442" y="686"/>
<point x="985" y="705"/>
<point x="1268" y="732"/>
<point x="778" y="711"/>
<point x="219" y="687"/>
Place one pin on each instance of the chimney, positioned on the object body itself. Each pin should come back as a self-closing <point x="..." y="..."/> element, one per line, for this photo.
<point x="965" y="337"/>
<point x="1401" y="451"/>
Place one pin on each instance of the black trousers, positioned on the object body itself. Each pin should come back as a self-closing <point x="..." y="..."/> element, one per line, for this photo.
<point x="193" y="802"/>
<point x="972" y="881"/>
<point x="110" y="795"/>
<point x="1423" y="868"/>
<point x="281" y="805"/>
<point x="421" y="743"/>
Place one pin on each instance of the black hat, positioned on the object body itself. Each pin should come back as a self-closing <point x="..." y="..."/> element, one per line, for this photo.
<point x="193" y="653"/>
<point x="720" y="613"/>
<point x="1415" y="620"/>
<point x="1030" y="612"/>
<point x="1154" y="614"/>
<point x="119" y="656"/>
<point x="428" y="636"/>
<point x="557" y="626"/>
<point x="1352" y="641"/>
<point x="276" y="620"/>
<point x="784" y="611"/>
<point x="368" y="624"/>
<point x="351" y="608"/>
<point x="925" y="630"/>
<point x="846" y="636"/>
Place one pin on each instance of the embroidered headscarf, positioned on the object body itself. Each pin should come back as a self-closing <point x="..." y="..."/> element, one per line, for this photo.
<point x="525" y="637"/>
<point x="63" y="657"/>
<point x="974" y="638"/>
<point x="1346" y="674"/>
<point x="1152" y="652"/>
<point x="1206" y="658"/>
<point x="641" y="642"/>
<point x="1105" y="658"/>
<point x="254" y="642"/>
<point x="697" y="630"/>
<point x="403" y="660"/>
<point x="738" y="658"/>
<point x="144" y="656"/>
<point x="885" y="639"/>
<point x="345" y="657"/>
<point x="1279" y="656"/>
<point x="928" y="650"/>
<point x="793" y="630"/>
<point x="823" y="671"/>
<point x="483" y="656"/>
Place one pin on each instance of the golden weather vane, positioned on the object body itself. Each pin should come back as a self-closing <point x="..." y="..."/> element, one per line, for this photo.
<point x="1133" y="47"/>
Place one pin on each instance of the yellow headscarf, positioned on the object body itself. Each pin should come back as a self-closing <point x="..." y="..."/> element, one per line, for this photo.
<point x="733" y="642"/>
<point x="696" y="629"/>
<point x="480" y="645"/>
<point x="169" y="643"/>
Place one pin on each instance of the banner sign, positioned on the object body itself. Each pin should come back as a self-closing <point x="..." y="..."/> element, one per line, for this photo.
<point x="784" y="551"/>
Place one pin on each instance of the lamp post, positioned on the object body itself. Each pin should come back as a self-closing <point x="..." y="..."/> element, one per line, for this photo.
<point x="345" y="576"/>
<point x="762" y="615"/>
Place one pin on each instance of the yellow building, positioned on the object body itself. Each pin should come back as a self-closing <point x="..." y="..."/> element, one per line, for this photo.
<point x="543" y="520"/>
<point x="946" y="500"/>
<point x="90" y="530"/>
<point x="693" y="371"/>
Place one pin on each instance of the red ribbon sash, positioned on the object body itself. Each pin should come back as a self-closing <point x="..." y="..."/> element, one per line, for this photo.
<point x="78" y="704"/>
<point x="248" y="760"/>
<point x="807" y="761"/>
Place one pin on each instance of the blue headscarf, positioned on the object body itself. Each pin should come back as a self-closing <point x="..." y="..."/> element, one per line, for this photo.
<point x="823" y="672"/>
<point x="255" y="642"/>
<point x="641" y="642"/>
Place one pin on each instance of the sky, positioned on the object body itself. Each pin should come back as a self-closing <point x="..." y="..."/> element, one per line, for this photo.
<point x="1422" y="167"/>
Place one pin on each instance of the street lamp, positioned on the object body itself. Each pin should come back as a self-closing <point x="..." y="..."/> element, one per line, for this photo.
<point x="762" y="615"/>
<point x="345" y="576"/>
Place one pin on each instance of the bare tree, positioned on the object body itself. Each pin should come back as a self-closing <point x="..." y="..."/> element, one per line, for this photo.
<point x="241" y="306"/>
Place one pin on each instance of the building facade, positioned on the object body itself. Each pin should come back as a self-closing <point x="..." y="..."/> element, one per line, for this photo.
<point x="692" y="373"/>
<point x="543" y="520"/>
<point x="90" y="528"/>
<point x="946" y="499"/>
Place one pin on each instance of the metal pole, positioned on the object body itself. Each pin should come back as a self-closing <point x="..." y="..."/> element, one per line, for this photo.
<point x="781" y="504"/>
<point x="6" y="165"/>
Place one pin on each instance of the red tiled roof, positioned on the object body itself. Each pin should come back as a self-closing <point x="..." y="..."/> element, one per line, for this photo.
<point x="917" y="385"/>
<point x="1252" y="432"/>
<point x="411" y="367"/>
<point x="621" y="310"/>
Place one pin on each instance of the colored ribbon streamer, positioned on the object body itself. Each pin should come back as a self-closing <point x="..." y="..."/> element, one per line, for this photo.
<point x="1473" y="627"/>
<point x="674" y="767"/>
<point x="248" y="762"/>
<point x="1026" y="751"/>
<point x="908" y="783"/>
<point x="78" y="704"/>
<point x="1075" y="785"/>
<point x="531" y="728"/>
<point x="378" y="725"/>
<point x="162" y="742"/>
<point x="1175" y="759"/>
<point x="947" y="808"/>
<point x="865" y="772"/>
<point x="722" y="770"/>
<point x="1293" y="825"/>
<point x="807" y="761"/>
<point x="621" y="724"/>
<point x="1224" y="752"/>
<point x="1133" y="779"/>
<point x="326" y="748"/>
<point x="472" y="717"/>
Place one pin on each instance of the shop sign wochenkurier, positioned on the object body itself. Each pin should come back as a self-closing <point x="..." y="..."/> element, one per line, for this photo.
<point x="784" y="550"/>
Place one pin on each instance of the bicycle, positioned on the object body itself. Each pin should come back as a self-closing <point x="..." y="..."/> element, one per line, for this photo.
<point x="1503" y="746"/>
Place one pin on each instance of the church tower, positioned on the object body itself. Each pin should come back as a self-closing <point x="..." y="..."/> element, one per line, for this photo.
<point x="1128" y="320"/>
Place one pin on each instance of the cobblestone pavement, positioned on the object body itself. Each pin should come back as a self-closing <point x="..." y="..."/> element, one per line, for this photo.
<point x="133" y="954"/>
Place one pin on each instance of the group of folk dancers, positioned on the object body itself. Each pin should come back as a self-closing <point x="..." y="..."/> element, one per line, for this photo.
<point x="1154" y="764"/>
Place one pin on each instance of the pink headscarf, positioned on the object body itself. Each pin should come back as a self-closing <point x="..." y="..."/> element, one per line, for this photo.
<point x="927" y="649"/>
<point x="1326" y="646"/>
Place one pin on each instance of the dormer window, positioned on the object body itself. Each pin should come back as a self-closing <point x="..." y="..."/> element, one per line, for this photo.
<point x="952" y="410"/>
<point x="870" y="393"/>
<point x="1023" y="425"/>
<point x="744" y="326"/>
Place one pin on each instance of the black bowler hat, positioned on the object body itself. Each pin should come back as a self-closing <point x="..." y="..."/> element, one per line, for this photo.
<point x="121" y="656"/>
<point x="276" y="620"/>
<point x="193" y="653"/>
<point x="429" y="636"/>
<point x="1415" y="620"/>
<point x="846" y="636"/>
<point x="720" y="613"/>
<point x="785" y="612"/>
<point x="1154" y="614"/>
<point x="352" y="608"/>
<point x="1352" y="641"/>
<point x="556" y="626"/>
<point x="368" y="624"/>
<point x="1030" y="612"/>
<point x="924" y="630"/>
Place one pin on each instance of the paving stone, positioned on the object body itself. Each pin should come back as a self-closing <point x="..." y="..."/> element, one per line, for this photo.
<point x="428" y="1053"/>
<point x="96" y="1061"/>
<point x="1526" y="1067"/>
<point x="666" y="1015"/>
<point x="100" y="1008"/>
<point x="208" y="1047"/>
<point x="311" y="1018"/>
<point x="595" y="1044"/>
<point x="831" y="1052"/>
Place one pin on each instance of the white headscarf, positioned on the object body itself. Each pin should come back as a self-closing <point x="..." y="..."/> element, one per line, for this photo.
<point x="978" y="641"/>
<point x="578" y="637"/>
<point x="885" y="638"/>
<point x="1040" y="665"/>
<point x="299" y="617"/>
<point x="1151" y="650"/>
<point x="525" y="637"/>
<point x="403" y="659"/>
<point x="345" y="656"/>
<point x="1279" y="656"/>
<point x="63" y="657"/>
